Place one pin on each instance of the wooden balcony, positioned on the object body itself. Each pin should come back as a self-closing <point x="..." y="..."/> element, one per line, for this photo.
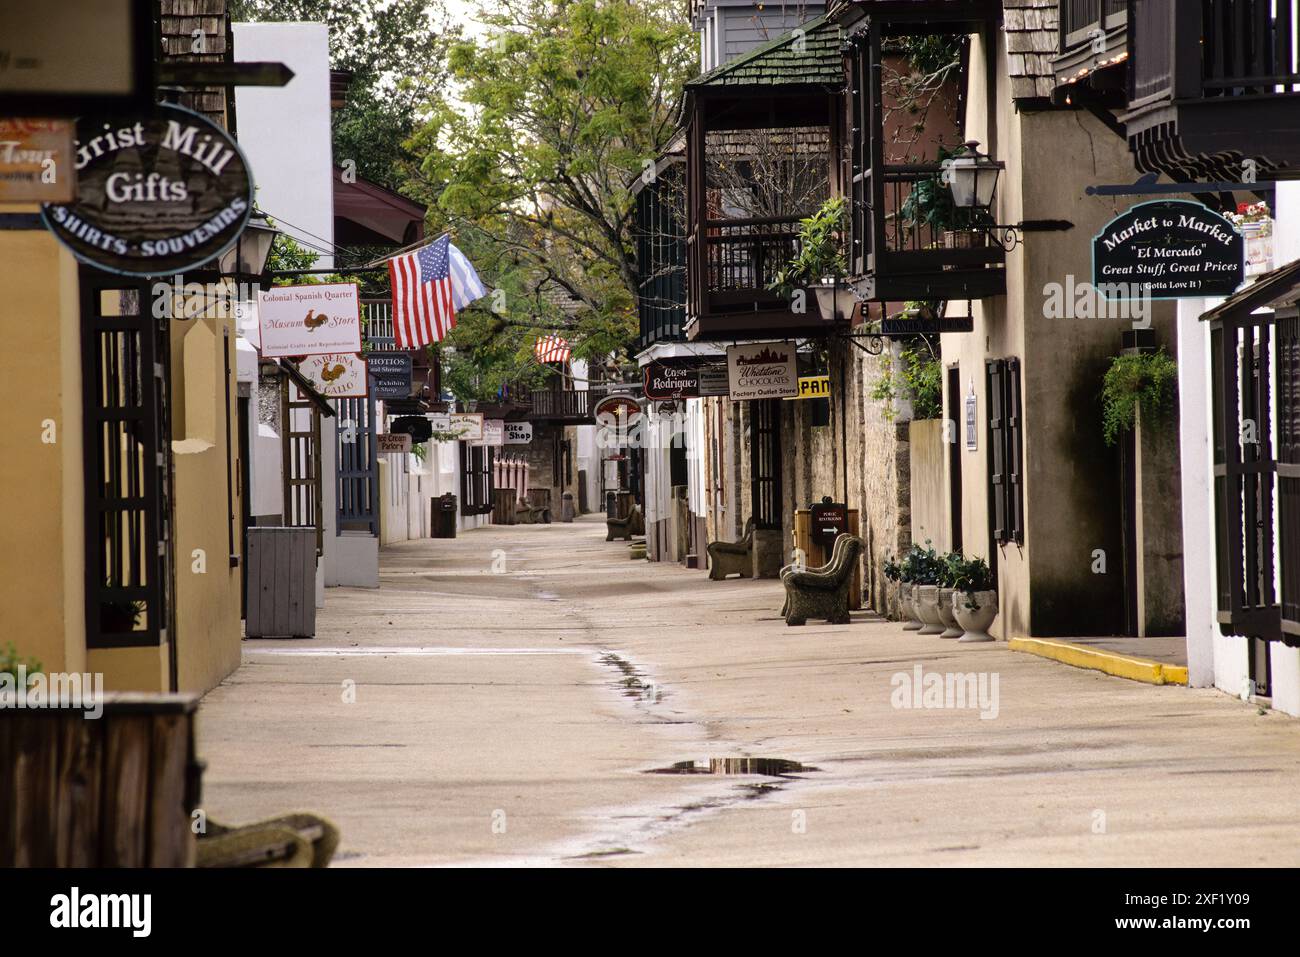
<point x="1211" y="77"/>
<point x="568" y="407"/>
<point x="899" y="258"/>
<point x="1093" y="38"/>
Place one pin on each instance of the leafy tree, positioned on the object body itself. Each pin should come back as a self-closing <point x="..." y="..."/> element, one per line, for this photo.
<point x="530" y="155"/>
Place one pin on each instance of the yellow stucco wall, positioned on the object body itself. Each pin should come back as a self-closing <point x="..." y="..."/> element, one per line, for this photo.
<point x="207" y="587"/>
<point x="42" y="591"/>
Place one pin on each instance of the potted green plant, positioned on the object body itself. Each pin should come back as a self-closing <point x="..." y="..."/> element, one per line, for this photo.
<point x="819" y="265"/>
<point x="1137" y="379"/>
<point x="893" y="598"/>
<point x="907" y="572"/>
<point x="924" y="569"/>
<point x="947" y="580"/>
<point x="119" y="615"/>
<point x="974" y="600"/>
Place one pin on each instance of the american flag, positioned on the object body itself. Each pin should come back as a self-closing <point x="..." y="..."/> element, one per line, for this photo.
<point x="429" y="286"/>
<point x="552" y="348"/>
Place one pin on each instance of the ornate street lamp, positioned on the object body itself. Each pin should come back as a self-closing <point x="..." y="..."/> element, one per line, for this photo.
<point x="247" y="257"/>
<point x="973" y="178"/>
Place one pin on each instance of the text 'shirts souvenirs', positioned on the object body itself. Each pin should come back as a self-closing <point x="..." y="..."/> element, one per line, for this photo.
<point x="337" y="375"/>
<point x="390" y="373"/>
<point x="155" y="195"/>
<point x="762" y="370"/>
<point x="1170" y="249"/>
<point x="519" y="433"/>
<point x="309" y="320"/>
<point x="36" y="161"/>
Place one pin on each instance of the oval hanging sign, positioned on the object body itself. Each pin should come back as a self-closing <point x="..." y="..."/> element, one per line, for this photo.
<point x="1169" y="249"/>
<point x="156" y="195"/>
<point x="615" y="406"/>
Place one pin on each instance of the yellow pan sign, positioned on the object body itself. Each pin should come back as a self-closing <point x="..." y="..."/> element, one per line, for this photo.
<point x="813" y="387"/>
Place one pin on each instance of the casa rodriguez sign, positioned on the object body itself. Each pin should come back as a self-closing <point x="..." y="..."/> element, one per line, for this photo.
<point x="1169" y="249"/>
<point x="156" y="195"/>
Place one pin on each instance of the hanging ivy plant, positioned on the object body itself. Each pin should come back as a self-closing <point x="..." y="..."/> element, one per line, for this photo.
<point x="918" y="376"/>
<point x="1146" y="379"/>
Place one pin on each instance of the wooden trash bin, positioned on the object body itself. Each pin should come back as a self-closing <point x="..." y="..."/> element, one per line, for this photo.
<point x="281" y="583"/>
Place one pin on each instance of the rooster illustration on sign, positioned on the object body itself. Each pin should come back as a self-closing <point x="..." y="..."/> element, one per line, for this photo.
<point x="330" y="373"/>
<point x="314" y="322"/>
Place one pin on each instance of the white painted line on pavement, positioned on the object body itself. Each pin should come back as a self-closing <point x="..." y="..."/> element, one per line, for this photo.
<point x="415" y="652"/>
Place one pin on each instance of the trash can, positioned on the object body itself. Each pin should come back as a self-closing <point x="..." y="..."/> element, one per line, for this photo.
<point x="443" y="509"/>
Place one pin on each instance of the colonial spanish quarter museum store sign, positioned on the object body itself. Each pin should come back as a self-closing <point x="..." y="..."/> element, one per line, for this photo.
<point x="156" y="195"/>
<point x="1169" y="249"/>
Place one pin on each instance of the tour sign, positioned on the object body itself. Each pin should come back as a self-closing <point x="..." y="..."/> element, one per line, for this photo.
<point x="156" y="195"/>
<point x="1168" y="249"/>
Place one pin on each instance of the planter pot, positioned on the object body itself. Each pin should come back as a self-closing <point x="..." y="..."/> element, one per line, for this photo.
<point x="965" y="239"/>
<point x="907" y="608"/>
<point x="975" y="621"/>
<point x="950" y="627"/>
<point x="835" y="302"/>
<point x="927" y="609"/>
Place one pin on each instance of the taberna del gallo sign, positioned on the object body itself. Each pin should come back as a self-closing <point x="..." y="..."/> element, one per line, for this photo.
<point x="156" y="195"/>
<point x="1168" y="249"/>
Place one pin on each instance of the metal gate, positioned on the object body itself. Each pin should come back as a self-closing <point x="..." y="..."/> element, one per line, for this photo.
<point x="300" y="447"/>
<point x="765" y="462"/>
<point x="126" y="431"/>
<point x="358" y="466"/>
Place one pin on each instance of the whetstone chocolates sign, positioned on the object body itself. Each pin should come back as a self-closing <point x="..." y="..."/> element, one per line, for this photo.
<point x="1171" y="249"/>
<point x="155" y="196"/>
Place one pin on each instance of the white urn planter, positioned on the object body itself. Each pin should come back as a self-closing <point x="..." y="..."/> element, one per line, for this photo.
<point x="907" y="607"/>
<point x="975" y="620"/>
<point x="946" y="615"/>
<point x="927" y="609"/>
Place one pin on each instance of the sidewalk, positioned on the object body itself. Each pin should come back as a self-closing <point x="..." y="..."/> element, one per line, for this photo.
<point x="534" y="700"/>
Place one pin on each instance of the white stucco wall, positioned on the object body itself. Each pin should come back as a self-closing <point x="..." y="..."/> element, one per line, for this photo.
<point x="1214" y="659"/>
<point x="285" y="131"/>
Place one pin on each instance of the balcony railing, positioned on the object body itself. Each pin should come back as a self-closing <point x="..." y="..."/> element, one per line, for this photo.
<point x="378" y="316"/>
<point x="572" y="405"/>
<point x="900" y="256"/>
<point x="743" y="256"/>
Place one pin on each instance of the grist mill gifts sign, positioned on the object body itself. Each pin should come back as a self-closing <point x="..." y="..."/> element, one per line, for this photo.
<point x="762" y="370"/>
<point x="156" y="195"/>
<point x="309" y="320"/>
<point x="1169" y="249"/>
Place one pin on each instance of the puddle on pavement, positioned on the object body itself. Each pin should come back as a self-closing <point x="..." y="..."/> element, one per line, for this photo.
<point x="768" y="767"/>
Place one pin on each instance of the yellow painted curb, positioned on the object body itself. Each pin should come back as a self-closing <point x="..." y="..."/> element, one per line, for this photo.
<point x="1096" y="659"/>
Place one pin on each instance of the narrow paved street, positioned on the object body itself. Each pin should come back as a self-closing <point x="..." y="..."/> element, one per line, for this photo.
<point x="509" y="717"/>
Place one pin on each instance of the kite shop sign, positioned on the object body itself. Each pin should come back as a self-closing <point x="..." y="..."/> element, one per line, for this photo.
<point x="1169" y="249"/>
<point x="157" y="194"/>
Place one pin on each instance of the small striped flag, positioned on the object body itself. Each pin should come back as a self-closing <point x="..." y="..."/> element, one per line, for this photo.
<point x="430" y="285"/>
<point x="552" y="348"/>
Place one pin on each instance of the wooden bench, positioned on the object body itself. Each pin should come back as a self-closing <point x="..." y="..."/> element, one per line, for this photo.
<point x="727" y="558"/>
<point x="822" y="592"/>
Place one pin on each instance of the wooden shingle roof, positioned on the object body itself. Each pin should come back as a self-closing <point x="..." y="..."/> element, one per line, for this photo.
<point x="785" y="61"/>
<point x="1031" y="28"/>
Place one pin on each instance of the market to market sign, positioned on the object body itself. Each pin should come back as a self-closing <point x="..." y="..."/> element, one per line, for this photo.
<point x="1169" y="249"/>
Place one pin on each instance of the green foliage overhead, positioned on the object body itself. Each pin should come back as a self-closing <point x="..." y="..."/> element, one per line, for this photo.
<point x="1145" y="379"/>
<point x="530" y="152"/>
<point x="917" y="377"/>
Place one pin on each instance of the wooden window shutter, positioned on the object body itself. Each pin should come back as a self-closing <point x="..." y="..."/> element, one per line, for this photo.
<point x="1013" y="457"/>
<point x="996" y="373"/>
<point x="1288" y="470"/>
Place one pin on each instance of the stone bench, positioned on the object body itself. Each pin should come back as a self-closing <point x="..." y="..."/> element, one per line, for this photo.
<point x="631" y="524"/>
<point x="822" y="592"/>
<point x="729" y="558"/>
